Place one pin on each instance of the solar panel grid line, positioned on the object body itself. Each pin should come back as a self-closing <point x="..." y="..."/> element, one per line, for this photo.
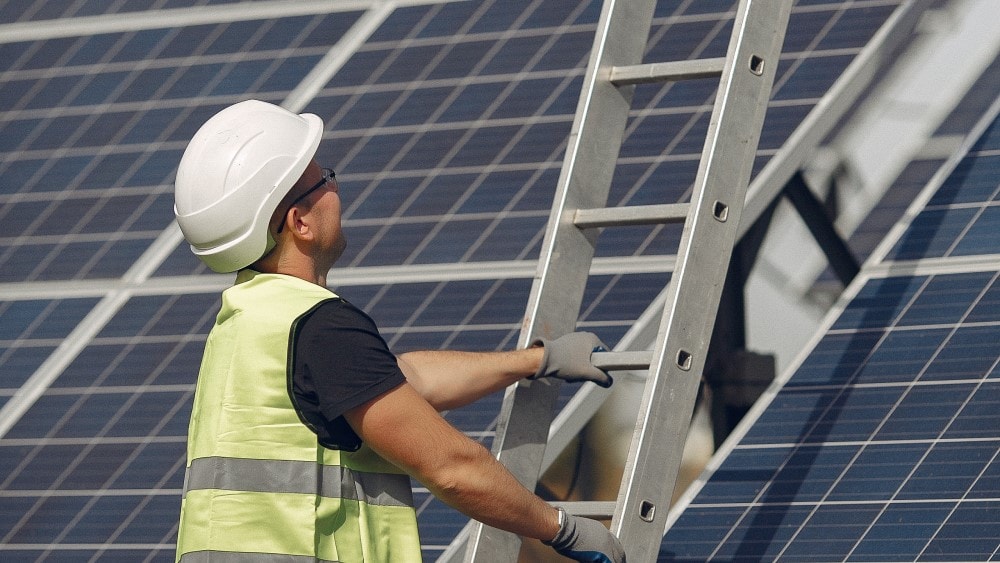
<point x="333" y="89"/>
<point x="810" y="504"/>
<point x="184" y="17"/>
<point x="417" y="273"/>
<point x="451" y="214"/>
<point x="112" y="66"/>
<point x="59" y="240"/>
<point x="931" y="266"/>
<point x="43" y="197"/>
<point x="100" y="388"/>
<point x="510" y="166"/>
<point x="88" y="492"/>
<point x="885" y="442"/>
<point x="469" y="35"/>
<point x="30" y="547"/>
<point x="36" y="153"/>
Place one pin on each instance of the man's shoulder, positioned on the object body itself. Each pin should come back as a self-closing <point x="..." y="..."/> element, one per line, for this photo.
<point x="336" y="311"/>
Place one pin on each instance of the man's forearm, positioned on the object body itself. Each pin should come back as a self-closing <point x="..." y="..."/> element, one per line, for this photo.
<point x="405" y="430"/>
<point x="450" y="379"/>
<point x="483" y="489"/>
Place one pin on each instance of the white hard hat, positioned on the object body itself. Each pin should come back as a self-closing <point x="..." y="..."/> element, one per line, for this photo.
<point x="232" y="176"/>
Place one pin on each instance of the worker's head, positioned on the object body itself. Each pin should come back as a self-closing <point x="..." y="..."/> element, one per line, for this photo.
<point x="306" y="223"/>
<point x="243" y="166"/>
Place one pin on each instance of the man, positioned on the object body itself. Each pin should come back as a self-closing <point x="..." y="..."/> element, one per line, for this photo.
<point x="305" y="427"/>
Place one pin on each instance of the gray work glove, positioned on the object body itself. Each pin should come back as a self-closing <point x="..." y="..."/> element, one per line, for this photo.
<point x="582" y="539"/>
<point x="568" y="358"/>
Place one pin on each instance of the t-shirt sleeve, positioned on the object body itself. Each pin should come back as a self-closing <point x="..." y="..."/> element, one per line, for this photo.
<point x="340" y="361"/>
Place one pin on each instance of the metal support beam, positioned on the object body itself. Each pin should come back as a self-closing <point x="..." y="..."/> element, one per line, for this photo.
<point x="816" y="218"/>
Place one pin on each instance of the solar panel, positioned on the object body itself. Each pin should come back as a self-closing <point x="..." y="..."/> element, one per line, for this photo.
<point x="882" y="443"/>
<point x="447" y="126"/>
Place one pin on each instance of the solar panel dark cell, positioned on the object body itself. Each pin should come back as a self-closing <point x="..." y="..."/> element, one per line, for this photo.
<point x="981" y="235"/>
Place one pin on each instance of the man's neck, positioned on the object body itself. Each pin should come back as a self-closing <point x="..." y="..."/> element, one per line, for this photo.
<point x="302" y="269"/>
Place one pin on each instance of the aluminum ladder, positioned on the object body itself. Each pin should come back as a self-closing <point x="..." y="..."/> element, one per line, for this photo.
<point x="579" y="212"/>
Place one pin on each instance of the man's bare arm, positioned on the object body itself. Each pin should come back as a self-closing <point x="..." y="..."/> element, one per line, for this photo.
<point x="451" y="379"/>
<point x="406" y="430"/>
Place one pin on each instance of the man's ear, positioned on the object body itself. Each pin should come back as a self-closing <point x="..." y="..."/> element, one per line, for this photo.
<point x="297" y="224"/>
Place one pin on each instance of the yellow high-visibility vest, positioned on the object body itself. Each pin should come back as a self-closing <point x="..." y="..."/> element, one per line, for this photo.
<point x="258" y="486"/>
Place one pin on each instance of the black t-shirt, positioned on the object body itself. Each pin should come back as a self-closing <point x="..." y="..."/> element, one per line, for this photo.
<point x="339" y="361"/>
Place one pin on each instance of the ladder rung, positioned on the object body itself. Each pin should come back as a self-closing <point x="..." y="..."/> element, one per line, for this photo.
<point x="631" y="215"/>
<point x="664" y="72"/>
<point x="600" y="510"/>
<point x="621" y="361"/>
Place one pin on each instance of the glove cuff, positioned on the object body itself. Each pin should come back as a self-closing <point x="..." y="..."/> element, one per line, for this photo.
<point x="542" y="367"/>
<point x="559" y="538"/>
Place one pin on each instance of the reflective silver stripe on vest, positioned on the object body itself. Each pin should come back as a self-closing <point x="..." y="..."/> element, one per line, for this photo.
<point x="281" y="476"/>
<point x="229" y="557"/>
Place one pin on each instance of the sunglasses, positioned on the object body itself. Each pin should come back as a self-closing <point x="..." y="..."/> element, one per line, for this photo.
<point x="328" y="175"/>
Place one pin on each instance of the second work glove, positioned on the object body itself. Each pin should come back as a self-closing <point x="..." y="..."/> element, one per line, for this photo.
<point x="568" y="358"/>
<point x="582" y="539"/>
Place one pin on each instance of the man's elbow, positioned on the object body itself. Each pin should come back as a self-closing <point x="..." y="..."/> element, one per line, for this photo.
<point x="457" y="475"/>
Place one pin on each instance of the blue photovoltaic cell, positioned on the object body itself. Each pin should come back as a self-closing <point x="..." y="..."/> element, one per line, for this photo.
<point x="883" y="445"/>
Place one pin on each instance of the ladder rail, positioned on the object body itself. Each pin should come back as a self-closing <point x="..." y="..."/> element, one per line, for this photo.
<point x="695" y="288"/>
<point x="567" y="251"/>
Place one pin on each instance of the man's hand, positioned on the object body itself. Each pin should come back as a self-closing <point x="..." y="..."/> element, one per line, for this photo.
<point x="582" y="539"/>
<point x="568" y="358"/>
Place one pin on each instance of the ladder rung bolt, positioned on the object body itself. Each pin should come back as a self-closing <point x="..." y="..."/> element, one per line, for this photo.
<point x="756" y="65"/>
<point x="720" y="211"/>
<point x="647" y="510"/>
<point x="684" y="360"/>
